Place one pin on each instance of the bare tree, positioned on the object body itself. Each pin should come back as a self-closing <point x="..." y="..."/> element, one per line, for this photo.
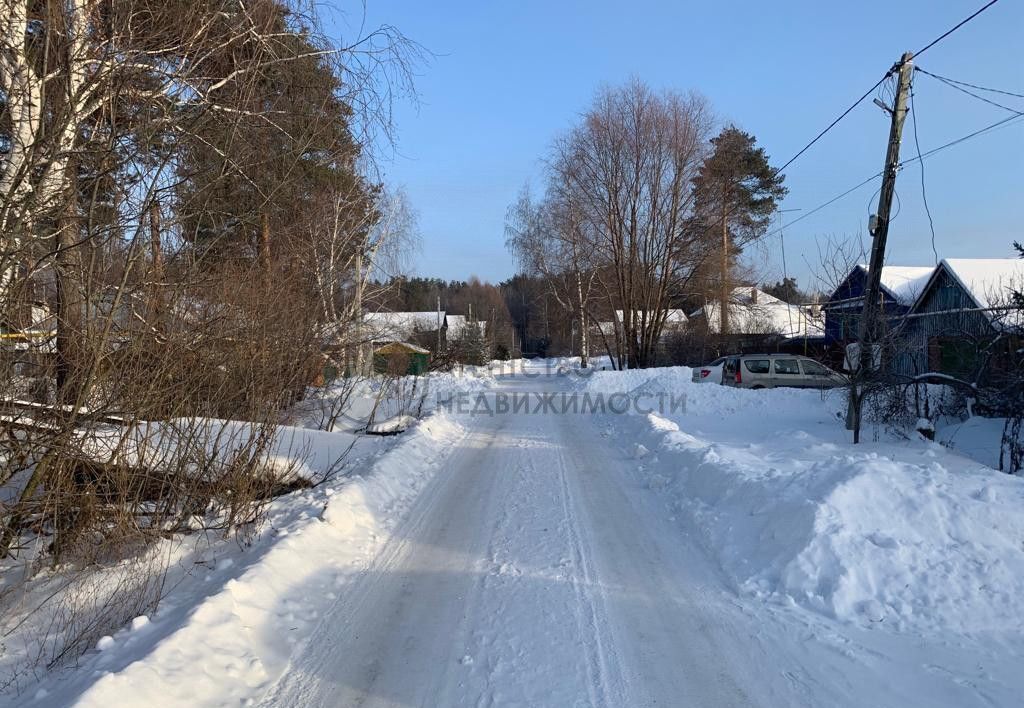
<point x="156" y="188"/>
<point x="617" y="210"/>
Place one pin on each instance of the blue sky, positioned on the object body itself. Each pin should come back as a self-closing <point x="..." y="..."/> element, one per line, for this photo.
<point x="509" y="77"/>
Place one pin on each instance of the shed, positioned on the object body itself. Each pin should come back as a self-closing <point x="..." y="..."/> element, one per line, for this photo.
<point x="401" y="359"/>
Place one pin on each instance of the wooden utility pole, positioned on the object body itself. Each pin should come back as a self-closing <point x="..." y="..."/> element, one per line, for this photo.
<point x="869" y="328"/>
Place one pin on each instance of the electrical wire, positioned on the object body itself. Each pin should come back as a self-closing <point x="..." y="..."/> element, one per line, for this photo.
<point x="924" y="193"/>
<point x="973" y="86"/>
<point x="951" y="143"/>
<point x="889" y="73"/>
<point x="831" y="125"/>
<point x="831" y="201"/>
<point x="970" y="93"/>
<point x="954" y="28"/>
<point x="921" y="157"/>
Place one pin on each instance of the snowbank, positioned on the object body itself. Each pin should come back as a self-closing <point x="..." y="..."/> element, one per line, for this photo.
<point x="230" y="614"/>
<point x="223" y="648"/>
<point x="908" y="534"/>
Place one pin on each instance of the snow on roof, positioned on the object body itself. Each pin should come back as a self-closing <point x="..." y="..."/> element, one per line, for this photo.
<point x="673" y="316"/>
<point x="401" y="325"/>
<point x="903" y="283"/>
<point x="768" y="315"/>
<point x="988" y="280"/>
<point x="457" y="325"/>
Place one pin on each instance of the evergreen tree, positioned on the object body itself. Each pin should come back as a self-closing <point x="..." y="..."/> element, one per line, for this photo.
<point x="736" y="191"/>
<point x="786" y="290"/>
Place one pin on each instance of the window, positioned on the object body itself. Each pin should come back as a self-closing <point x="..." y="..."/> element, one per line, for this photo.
<point x="813" y="368"/>
<point x="787" y="367"/>
<point x="757" y="366"/>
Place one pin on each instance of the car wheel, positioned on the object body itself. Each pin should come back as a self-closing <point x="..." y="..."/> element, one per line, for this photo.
<point x="756" y="387"/>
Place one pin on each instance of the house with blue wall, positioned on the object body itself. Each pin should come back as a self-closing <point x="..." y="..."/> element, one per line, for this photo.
<point x="963" y="322"/>
<point x="900" y="288"/>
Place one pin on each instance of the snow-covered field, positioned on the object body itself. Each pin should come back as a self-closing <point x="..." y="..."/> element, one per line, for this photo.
<point x="735" y="551"/>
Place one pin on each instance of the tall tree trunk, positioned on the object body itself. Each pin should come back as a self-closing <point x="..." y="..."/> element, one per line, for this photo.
<point x="264" y="243"/>
<point x="156" y="267"/>
<point x="584" y="340"/>
<point x="69" y="299"/>
<point x="725" y="290"/>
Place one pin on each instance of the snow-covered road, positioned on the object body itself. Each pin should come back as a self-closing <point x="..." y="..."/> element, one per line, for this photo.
<point x="535" y="570"/>
<point x="735" y="551"/>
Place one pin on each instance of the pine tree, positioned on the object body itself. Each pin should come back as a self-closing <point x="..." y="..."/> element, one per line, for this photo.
<point x="736" y="192"/>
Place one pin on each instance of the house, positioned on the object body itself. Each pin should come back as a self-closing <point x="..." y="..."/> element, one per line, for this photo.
<point x="754" y="313"/>
<point x="458" y="325"/>
<point x="675" y="321"/>
<point x="962" y="319"/>
<point x="382" y="327"/>
<point x="900" y="288"/>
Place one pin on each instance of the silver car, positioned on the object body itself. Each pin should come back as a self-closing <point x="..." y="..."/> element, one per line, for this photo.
<point x="710" y="373"/>
<point x="780" y="370"/>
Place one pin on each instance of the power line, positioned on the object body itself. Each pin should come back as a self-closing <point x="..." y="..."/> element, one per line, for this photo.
<point x="831" y="201"/>
<point x="920" y="157"/>
<point x="924" y="193"/>
<point x="833" y="123"/>
<point x="954" y="28"/>
<point x="889" y="73"/>
<point x="972" y="94"/>
<point x="951" y="143"/>
<point x="973" y="86"/>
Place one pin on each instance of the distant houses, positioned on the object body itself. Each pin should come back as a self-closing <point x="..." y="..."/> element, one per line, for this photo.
<point x="754" y="313"/>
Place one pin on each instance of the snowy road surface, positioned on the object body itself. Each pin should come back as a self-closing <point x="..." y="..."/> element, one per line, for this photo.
<point x="534" y="570"/>
<point x="739" y="552"/>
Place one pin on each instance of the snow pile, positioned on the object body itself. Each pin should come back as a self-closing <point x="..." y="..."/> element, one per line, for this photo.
<point x="224" y="647"/>
<point x="932" y="545"/>
<point x="229" y="613"/>
<point x="904" y="533"/>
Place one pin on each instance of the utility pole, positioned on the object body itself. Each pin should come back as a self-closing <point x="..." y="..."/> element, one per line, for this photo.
<point x="868" y="330"/>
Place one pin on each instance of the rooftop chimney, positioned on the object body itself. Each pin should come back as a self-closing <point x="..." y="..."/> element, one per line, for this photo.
<point x="753" y="296"/>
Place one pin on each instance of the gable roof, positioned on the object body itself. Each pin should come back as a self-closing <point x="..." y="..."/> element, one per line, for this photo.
<point x="400" y="326"/>
<point x="768" y="315"/>
<point x="988" y="282"/>
<point x="400" y="348"/>
<point x="903" y="284"/>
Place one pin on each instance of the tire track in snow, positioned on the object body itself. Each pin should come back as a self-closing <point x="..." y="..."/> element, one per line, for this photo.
<point x="590" y="609"/>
